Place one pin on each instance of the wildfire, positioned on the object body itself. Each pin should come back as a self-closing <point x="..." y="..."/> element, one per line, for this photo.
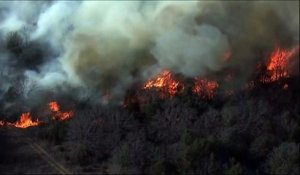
<point x="164" y="82"/>
<point x="53" y="106"/>
<point x="205" y="88"/>
<point x="25" y="121"/>
<point x="169" y="86"/>
<point x="58" y="115"/>
<point x="277" y="64"/>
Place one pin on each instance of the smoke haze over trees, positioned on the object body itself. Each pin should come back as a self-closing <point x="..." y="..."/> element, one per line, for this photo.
<point x="109" y="45"/>
<point x="160" y="87"/>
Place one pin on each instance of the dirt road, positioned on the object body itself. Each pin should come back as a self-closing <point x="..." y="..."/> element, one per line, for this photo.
<point x="22" y="155"/>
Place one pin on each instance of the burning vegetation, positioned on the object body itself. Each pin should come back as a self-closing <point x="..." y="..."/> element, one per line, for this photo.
<point x="53" y="106"/>
<point x="167" y="86"/>
<point x="225" y="101"/>
<point x="276" y="69"/>
<point x="57" y="114"/>
<point x="205" y="88"/>
<point x="278" y="62"/>
<point x="165" y="83"/>
<point x="25" y="119"/>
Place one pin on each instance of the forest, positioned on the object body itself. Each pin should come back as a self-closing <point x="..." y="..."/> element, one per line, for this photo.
<point x="209" y="93"/>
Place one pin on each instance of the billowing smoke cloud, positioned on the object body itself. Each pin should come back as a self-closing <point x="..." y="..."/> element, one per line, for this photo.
<point x="253" y="30"/>
<point x="111" y="40"/>
<point x="108" y="45"/>
<point x="191" y="54"/>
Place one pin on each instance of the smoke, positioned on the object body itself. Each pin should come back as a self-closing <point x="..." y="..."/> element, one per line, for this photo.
<point x="112" y="41"/>
<point x="109" y="45"/>
<point x="184" y="52"/>
<point x="53" y="23"/>
<point x="253" y="30"/>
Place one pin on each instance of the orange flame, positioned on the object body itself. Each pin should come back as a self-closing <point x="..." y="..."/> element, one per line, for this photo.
<point x="205" y="88"/>
<point x="277" y="64"/>
<point x="25" y="121"/>
<point x="164" y="82"/>
<point x="58" y="115"/>
<point x="53" y="106"/>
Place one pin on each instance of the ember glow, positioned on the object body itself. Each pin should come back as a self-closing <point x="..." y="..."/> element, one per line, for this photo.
<point x="53" y="106"/>
<point x="25" y="121"/>
<point x="285" y="87"/>
<point x="277" y="64"/>
<point x="205" y="88"/>
<point x="57" y="114"/>
<point x="165" y="83"/>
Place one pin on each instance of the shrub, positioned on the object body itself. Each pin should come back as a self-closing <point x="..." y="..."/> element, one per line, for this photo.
<point x="234" y="168"/>
<point x="57" y="132"/>
<point x="283" y="159"/>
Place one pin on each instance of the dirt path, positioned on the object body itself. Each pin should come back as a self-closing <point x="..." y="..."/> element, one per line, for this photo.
<point x="20" y="154"/>
<point x="44" y="155"/>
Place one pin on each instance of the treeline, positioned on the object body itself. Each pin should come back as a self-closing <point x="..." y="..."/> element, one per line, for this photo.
<point x="248" y="132"/>
<point x="253" y="132"/>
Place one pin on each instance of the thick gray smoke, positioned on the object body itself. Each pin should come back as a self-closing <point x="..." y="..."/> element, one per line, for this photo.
<point x="108" y="45"/>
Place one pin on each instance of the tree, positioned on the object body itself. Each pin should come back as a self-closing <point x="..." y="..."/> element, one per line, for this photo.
<point x="284" y="159"/>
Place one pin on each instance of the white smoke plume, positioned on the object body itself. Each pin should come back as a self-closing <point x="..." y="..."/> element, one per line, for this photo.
<point x="110" y="40"/>
<point x="107" y="45"/>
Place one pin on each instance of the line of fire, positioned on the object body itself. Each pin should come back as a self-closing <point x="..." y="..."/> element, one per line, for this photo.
<point x="149" y="87"/>
<point x="275" y="70"/>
